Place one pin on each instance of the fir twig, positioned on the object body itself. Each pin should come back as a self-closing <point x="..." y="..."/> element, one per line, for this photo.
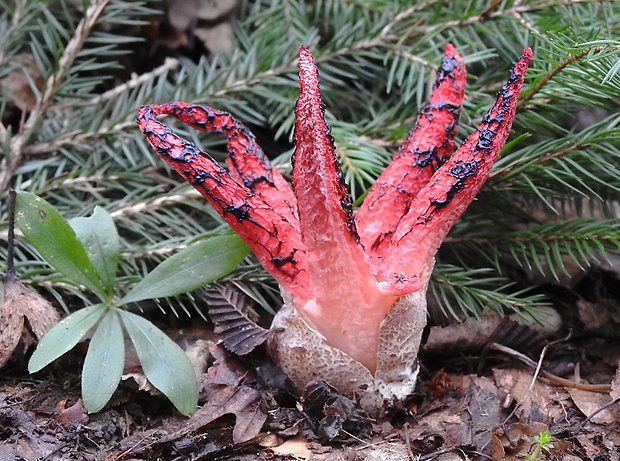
<point x="561" y="66"/>
<point x="75" y="44"/>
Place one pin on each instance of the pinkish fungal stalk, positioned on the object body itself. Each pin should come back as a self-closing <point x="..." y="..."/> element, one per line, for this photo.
<point x="354" y="285"/>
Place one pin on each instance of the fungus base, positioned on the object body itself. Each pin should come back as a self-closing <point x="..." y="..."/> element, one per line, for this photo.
<point x="304" y="356"/>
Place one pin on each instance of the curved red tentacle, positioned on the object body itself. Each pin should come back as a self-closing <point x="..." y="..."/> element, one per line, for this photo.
<point x="428" y="145"/>
<point x="247" y="163"/>
<point x="273" y="237"/>
<point x="453" y="187"/>
<point x="348" y="303"/>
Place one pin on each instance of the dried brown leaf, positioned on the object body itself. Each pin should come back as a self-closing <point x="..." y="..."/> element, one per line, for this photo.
<point x="211" y="22"/>
<point x="592" y="403"/>
<point x="297" y="447"/>
<point x="75" y="414"/>
<point x="537" y="402"/>
<point x="512" y="441"/>
<point x="242" y="401"/>
<point x="19" y="304"/>
<point x="228" y="392"/>
<point x="39" y="313"/>
<point x="11" y="325"/>
<point x="518" y="332"/>
<point x="18" y="84"/>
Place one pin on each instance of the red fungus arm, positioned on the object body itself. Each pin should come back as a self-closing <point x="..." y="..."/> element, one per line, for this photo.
<point x="428" y="145"/>
<point x="347" y="300"/>
<point x="326" y="218"/>
<point x="247" y="163"/>
<point x="453" y="187"/>
<point x="274" y="238"/>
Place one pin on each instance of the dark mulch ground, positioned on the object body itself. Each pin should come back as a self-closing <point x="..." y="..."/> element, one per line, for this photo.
<point x="470" y="404"/>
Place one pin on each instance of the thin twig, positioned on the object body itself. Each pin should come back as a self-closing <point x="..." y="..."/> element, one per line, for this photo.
<point x="10" y="257"/>
<point x="550" y="376"/>
<point x="538" y="367"/>
<point x="74" y="46"/>
<point x="137" y="80"/>
<point x="604" y="407"/>
<point x="515" y="10"/>
<point x="542" y="159"/>
<point x="563" y="65"/>
<point x="133" y="209"/>
<point x="76" y="136"/>
<point x="556" y="70"/>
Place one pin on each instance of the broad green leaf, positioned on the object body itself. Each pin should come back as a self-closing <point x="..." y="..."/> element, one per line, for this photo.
<point x="64" y="336"/>
<point x="104" y="362"/>
<point x="164" y="363"/>
<point x="48" y="232"/>
<point x="99" y="236"/>
<point x="195" y="266"/>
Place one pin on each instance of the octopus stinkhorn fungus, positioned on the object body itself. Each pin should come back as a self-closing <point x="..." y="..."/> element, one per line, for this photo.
<point x="354" y="282"/>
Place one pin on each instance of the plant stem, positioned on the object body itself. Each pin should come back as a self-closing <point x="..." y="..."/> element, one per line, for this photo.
<point x="10" y="260"/>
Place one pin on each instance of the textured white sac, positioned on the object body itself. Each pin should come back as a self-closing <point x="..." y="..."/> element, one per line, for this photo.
<point x="304" y="355"/>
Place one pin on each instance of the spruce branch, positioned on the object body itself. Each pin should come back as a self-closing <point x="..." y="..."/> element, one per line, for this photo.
<point x="473" y="291"/>
<point x="517" y="11"/>
<point x="547" y="247"/>
<point x="137" y="80"/>
<point x="77" y="137"/>
<point x="563" y="65"/>
<point x="135" y="209"/>
<point x="377" y="65"/>
<point x="73" y="47"/>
